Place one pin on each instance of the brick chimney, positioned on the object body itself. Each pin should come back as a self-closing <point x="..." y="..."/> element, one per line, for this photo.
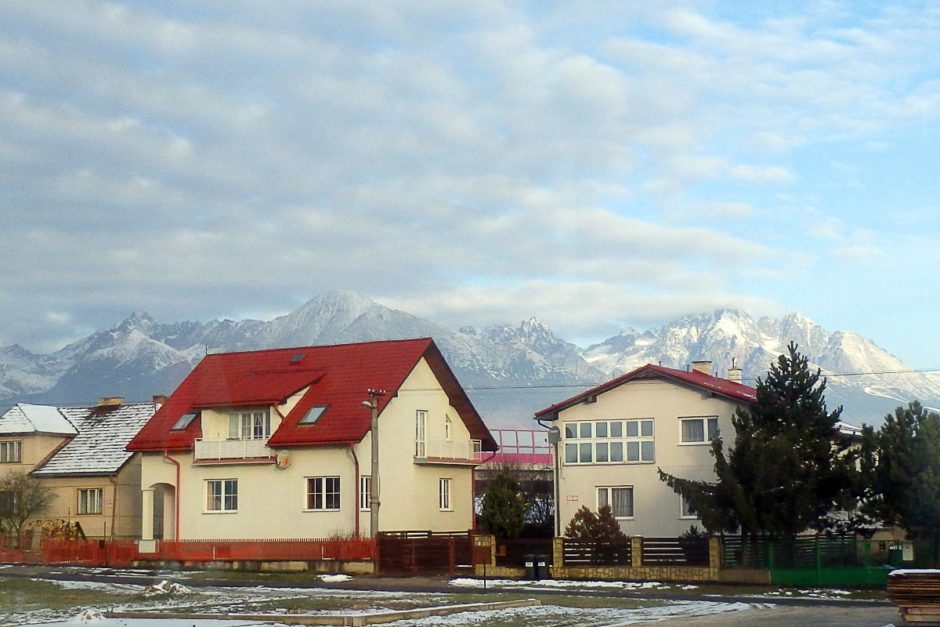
<point x="735" y="374"/>
<point x="159" y="399"/>
<point x="704" y="366"/>
<point x="110" y="401"/>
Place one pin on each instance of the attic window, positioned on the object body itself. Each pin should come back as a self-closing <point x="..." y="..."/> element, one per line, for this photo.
<point x="296" y="358"/>
<point x="184" y="421"/>
<point x="313" y="415"/>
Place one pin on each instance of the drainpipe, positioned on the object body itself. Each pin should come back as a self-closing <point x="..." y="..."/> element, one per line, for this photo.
<point x="176" y="508"/>
<point x="114" y="502"/>
<point x="352" y="449"/>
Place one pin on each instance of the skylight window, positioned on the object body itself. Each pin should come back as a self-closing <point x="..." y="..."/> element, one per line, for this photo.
<point x="313" y="415"/>
<point x="184" y="421"/>
<point x="296" y="358"/>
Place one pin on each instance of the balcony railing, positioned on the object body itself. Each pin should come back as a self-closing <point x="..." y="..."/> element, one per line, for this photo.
<point x="437" y="450"/>
<point x="232" y="449"/>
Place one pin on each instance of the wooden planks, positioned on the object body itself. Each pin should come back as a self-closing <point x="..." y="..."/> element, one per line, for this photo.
<point x="917" y="595"/>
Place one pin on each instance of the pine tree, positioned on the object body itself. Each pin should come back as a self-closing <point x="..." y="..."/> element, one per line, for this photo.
<point x="503" y="507"/>
<point x="901" y="463"/>
<point x="787" y="471"/>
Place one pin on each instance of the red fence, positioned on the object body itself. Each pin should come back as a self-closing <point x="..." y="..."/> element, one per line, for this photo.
<point x="125" y="552"/>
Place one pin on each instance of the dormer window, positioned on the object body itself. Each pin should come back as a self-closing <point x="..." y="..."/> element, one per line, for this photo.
<point x="184" y="422"/>
<point x="254" y="424"/>
<point x="313" y="414"/>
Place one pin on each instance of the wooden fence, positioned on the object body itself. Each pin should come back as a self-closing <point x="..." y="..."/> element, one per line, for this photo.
<point x="590" y="553"/>
<point x="424" y="552"/>
<point x="675" y="551"/>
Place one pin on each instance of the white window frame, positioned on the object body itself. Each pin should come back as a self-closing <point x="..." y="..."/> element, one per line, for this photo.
<point x="682" y="510"/>
<point x="90" y="501"/>
<point x="444" y="494"/>
<point x="607" y="490"/>
<point x="448" y="428"/>
<point x="328" y="489"/>
<point x="11" y="451"/>
<point x="621" y="441"/>
<point x="365" y="493"/>
<point x="227" y="491"/>
<point x="707" y="422"/>
<point x="421" y="433"/>
<point x="249" y="424"/>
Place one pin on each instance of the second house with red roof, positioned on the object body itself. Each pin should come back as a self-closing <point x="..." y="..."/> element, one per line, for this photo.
<point x="277" y="444"/>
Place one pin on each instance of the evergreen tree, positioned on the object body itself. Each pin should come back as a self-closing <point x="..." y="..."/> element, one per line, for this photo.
<point x="600" y="527"/>
<point x="901" y="463"/>
<point x="788" y="470"/>
<point x="503" y="507"/>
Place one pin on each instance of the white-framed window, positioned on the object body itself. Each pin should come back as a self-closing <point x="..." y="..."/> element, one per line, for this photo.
<point x="221" y="495"/>
<point x="421" y="430"/>
<point x="10" y="452"/>
<point x="686" y="510"/>
<point x="698" y="430"/>
<point x="323" y="493"/>
<point x="365" y="493"/>
<point x="254" y="424"/>
<point x="448" y="428"/>
<point x="89" y="500"/>
<point x="610" y="441"/>
<point x="619" y="498"/>
<point x="443" y="493"/>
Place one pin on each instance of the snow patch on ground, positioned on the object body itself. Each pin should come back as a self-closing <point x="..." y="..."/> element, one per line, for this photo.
<point x="467" y="582"/>
<point x="333" y="578"/>
<point x="166" y="587"/>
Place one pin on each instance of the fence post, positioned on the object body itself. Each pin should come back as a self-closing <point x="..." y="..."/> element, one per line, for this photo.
<point x="451" y="556"/>
<point x="714" y="555"/>
<point x="636" y="551"/>
<point x="558" y="556"/>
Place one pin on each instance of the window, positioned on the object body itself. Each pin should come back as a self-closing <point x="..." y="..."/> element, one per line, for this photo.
<point x="89" y="501"/>
<point x="448" y="427"/>
<point x="7" y="502"/>
<point x="444" y="494"/>
<point x="699" y="430"/>
<point x="184" y="421"/>
<point x="421" y="425"/>
<point x="685" y="509"/>
<point x="10" y="452"/>
<point x="619" y="498"/>
<point x="222" y="495"/>
<point x="313" y="414"/>
<point x="250" y="425"/>
<point x="365" y="492"/>
<point x="323" y="493"/>
<point x="610" y="442"/>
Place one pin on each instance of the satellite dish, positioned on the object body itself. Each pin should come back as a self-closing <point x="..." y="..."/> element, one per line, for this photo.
<point x="283" y="460"/>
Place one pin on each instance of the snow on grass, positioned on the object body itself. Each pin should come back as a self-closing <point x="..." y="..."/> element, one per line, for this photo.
<point x="555" y="615"/>
<point x="467" y="582"/>
<point x="333" y="578"/>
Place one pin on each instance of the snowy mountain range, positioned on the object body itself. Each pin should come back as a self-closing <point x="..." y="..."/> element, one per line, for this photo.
<point x="510" y="371"/>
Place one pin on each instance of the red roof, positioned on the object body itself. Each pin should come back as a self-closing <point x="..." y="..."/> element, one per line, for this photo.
<point x="723" y="387"/>
<point x="337" y="377"/>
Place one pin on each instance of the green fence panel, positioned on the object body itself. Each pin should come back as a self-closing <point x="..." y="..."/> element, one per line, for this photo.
<point x="857" y="577"/>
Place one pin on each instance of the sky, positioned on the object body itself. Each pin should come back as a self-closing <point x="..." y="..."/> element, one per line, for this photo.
<point x="598" y="165"/>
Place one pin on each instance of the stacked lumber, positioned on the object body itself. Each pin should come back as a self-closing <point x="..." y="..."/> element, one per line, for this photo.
<point x="916" y="592"/>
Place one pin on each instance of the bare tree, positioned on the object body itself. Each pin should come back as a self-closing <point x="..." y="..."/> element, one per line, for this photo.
<point x="21" y="497"/>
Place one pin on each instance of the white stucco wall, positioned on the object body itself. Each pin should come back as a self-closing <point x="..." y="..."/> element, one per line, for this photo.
<point x="272" y="500"/>
<point x="656" y="506"/>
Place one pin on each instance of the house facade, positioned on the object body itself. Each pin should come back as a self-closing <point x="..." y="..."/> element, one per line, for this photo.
<point x="276" y="444"/>
<point x="79" y="455"/>
<point x="613" y="438"/>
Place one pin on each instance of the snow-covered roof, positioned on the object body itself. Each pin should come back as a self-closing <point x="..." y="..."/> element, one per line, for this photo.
<point x="25" y="418"/>
<point x="99" y="446"/>
<point x="848" y="429"/>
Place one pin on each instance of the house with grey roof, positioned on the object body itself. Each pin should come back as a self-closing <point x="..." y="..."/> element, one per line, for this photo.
<point x="79" y="453"/>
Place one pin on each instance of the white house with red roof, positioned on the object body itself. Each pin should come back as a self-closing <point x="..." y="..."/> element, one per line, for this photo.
<point x="277" y="444"/>
<point x="612" y="438"/>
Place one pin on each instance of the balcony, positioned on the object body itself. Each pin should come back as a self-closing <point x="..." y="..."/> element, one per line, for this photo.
<point x="448" y="452"/>
<point x="218" y="450"/>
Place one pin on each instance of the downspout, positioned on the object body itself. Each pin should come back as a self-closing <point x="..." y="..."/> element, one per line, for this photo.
<point x="114" y="502"/>
<point x="176" y="507"/>
<point x="356" y="491"/>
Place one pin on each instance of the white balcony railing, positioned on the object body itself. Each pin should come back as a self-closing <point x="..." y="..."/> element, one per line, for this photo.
<point x="451" y="450"/>
<point x="232" y="449"/>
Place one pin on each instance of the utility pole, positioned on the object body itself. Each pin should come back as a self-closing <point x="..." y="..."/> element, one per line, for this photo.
<point x="373" y="404"/>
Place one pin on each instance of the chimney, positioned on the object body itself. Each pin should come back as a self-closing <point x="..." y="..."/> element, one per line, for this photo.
<point x="704" y="366"/>
<point x="159" y="399"/>
<point x="735" y="374"/>
<point x="110" y="401"/>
